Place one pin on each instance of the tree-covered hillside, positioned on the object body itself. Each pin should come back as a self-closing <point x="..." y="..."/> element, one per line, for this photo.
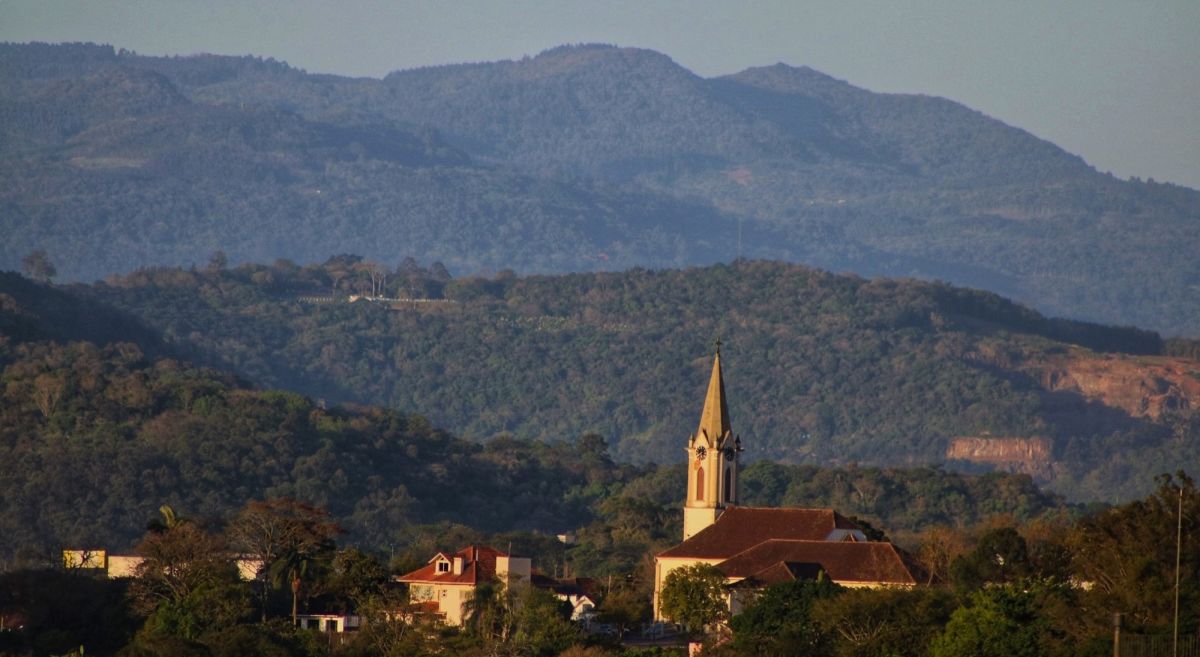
<point x="95" y="438"/>
<point x="582" y="158"/>
<point x="110" y="167"/>
<point x="820" y="368"/>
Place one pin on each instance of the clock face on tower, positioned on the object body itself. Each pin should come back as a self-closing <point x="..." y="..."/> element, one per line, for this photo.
<point x="730" y="454"/>
<point x="701" y="452"/>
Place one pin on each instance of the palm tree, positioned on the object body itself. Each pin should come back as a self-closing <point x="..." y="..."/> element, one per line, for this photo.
<point x="290" y="567"/>
<point x="489" y="613"/>
<point x="168" y="521"/>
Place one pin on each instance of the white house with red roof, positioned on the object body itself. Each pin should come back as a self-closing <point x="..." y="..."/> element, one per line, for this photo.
<point x="447" y="581"/>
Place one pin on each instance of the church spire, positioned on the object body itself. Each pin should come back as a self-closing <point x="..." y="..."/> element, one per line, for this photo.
<point x="714" y="420"/>
<point x="713" y="459"/>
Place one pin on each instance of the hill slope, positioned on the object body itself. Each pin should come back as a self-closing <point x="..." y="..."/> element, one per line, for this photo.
<point x="581" y="158"/>
<point x="93" y="438"/>
<point x="821" y="369"/>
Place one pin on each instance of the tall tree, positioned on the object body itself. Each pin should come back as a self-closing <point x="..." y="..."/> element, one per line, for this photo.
<point x="694" y="596"/>
<point x="217" y="261"/>
<point x="779" y="621"/>
<point x="37" y="266"/>
<point x="283" y="531"/>
<point x="1001" y="621"/>
<point x="186" y="579"/>
<point x="1128" y="554"/>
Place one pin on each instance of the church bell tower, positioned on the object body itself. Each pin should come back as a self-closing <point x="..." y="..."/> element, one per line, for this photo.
<point x="712" y="460"/>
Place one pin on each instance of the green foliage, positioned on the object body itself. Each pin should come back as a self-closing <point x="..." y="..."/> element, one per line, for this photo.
<point x="695" y="597"/>
<point x="821" y="368"/>
<point x="1001" y="556"/>
<point x="999" y="622"/>
<point x="625" y="607"/>
<point x="1128" y="554"/>
<point x="883" y="622"/>
<point x="105" y="424"/>
<point x="778" y="621"/>
<point x="542" y="624"/>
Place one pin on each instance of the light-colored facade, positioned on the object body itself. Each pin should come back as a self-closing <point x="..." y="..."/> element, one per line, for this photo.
<point x="331" y="623"/>
<point x="116" y="566"/>
<point x="447" y="582"/>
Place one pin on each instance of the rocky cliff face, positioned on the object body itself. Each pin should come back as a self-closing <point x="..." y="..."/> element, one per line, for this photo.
<point x="1087" y="393"/>
<point x="1140" y="386"/>
<point x="1031" y="456"/>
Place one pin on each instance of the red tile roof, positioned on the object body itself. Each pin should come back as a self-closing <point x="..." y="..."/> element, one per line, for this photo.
<point x="740" y="528"/>
<point x="844" y="561"/>
<point x="479" y="563"/>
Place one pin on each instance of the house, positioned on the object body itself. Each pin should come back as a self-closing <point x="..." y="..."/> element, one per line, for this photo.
<point x="329" y="623"/>
<point x="445" y="584"/>
<point x="753" y="546"/>
<point x="579" y="592"/>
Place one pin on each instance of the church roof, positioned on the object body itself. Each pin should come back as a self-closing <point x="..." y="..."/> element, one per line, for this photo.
<point x="844" y="561"/>
<point x="740" y="528"/>
<point x="714" y="420"/>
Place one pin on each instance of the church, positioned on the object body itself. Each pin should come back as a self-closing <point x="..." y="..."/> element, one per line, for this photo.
<point x="755" y="547"/>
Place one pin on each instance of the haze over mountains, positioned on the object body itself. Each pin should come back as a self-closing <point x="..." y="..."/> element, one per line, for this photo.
<point x="582" y="158"/>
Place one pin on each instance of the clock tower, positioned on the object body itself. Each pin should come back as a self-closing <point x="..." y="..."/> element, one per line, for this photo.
<point x="713" y="453"/>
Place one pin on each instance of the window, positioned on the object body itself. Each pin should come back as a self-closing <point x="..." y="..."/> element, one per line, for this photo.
<point x="700" y="484"/>
<point x="443" y="566"/>
<point x="728" y="484"/>
<point x="331" y="625"/>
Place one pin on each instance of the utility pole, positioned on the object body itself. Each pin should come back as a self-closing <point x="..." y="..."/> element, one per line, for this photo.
<point x="1117" y="635"/>
<point x="1178" y="546"/>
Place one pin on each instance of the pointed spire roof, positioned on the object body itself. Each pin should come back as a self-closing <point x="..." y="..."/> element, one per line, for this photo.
<point x="714" y="421"/>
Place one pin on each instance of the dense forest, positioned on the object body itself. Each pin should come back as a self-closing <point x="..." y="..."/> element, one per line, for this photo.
<point x="580" y="159"/>
<point x="130" y="448"/>
<point x="822" y="369"/>
<point x="127" y="446"/>
<point x="94" y="439"/>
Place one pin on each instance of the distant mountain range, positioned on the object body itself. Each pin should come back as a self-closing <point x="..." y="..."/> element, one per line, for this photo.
<point x="582" y="158"/>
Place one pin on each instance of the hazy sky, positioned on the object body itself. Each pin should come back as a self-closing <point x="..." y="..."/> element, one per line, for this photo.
<point x="1116" y="81"/>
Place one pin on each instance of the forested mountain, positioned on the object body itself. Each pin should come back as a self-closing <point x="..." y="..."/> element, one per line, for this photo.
<point x="95" y="437"/>
<point x="582" y="158"/>
<point x="821" y="369"/>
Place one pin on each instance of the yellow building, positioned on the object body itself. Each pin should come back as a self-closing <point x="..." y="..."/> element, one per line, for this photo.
<point x="117" y="566"/>
<point x="445" y="584"/>
<point x="755" y="546"/>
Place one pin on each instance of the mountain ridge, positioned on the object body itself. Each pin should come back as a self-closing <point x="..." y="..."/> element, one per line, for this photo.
<point x="788" y="162"/>
<point x="822" y="368"/>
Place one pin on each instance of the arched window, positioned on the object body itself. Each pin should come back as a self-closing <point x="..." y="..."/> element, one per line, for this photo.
<point x="700" y="484"/>
<point x="728" y="484"/>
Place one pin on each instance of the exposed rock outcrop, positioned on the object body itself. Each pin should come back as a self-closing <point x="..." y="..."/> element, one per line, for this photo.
<point x="1142" y="386"/>
<point x="1032" y="456"/>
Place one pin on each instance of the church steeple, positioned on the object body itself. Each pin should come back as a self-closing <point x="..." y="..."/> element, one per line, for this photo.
<point x="714" y="420"/>
<point x="713" y="459"/>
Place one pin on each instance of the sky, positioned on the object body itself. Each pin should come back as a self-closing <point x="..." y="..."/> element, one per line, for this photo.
<point x="1115" y="81"/>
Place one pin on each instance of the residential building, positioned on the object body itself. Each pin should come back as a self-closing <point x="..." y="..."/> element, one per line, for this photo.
<point x="445" y="584"/>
